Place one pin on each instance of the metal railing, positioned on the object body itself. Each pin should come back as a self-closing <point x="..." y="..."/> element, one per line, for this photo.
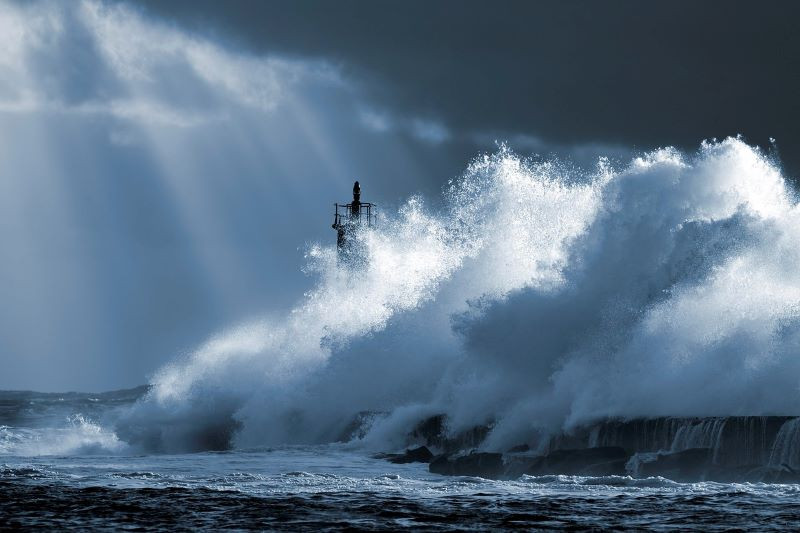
<point x="363" y="214"/>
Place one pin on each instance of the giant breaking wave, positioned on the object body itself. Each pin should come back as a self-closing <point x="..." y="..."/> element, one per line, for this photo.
<point x="537" y="299"/>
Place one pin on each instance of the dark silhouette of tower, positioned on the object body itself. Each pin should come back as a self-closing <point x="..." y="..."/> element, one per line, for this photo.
<point x="348" y="218"/>
<point x="355" y="207"/>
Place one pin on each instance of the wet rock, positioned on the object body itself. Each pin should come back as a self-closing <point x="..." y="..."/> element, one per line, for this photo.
<point x="689" y="465"/>
<point x="784" y="474"/>
<point x="433" y="433"/>
<point x="725" y="449"/>
<point x="604" y="460"/>
<point x="415" y="455"/>
<point x="753" y="474"/>
<point x="738" y="441"/>
<point x="430" y="431"/>
<point x="480" y="464"/>
<point x="697" y="464"/>
<point x="360" y="424"/>
<point x="469" y="439"/>
<point x="609" y="468"/>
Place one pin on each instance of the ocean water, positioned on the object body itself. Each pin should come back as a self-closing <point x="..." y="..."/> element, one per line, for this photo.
<point x="537" y="298"/>
<point x="322" y="487"/>
<point x="60" y="469"/>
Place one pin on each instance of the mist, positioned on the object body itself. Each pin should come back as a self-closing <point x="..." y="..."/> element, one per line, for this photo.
<point x="535" y="300"/>
<point x="158" y="185"/>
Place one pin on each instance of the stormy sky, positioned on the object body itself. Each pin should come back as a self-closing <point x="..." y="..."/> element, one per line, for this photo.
<point x="631" y="73"/>
<point x="165" y="164"/>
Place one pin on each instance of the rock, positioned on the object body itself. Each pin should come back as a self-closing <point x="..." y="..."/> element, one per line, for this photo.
<point x="433" y="433"/>
<point x="415" y="455"/>
<point x="689" y="465"/>
<point x="604" y="460"/>
<point x="480" y="464"/>
<point x="738" y="441"/>
<point x="360" y="424"/>
<point x="746" y="449"/>
<point x="754" y="474"/>
<point x="430" y="431"/>
<point x="609" y="468"/>
<point x="441" y="464"/>
<point x="471" y="438"/>
<point x="785" y="474"/>
<point x="696" y="464"/>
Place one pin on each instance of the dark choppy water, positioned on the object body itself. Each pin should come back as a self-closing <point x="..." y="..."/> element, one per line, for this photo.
<point x="62" y="468"/>
<point x="312" y="488"/>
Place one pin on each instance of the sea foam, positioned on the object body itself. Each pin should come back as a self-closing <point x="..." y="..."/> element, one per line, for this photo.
<point x="539" y="297"/>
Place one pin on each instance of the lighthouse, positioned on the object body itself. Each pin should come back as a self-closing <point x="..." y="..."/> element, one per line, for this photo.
<point x="348" y="218"/>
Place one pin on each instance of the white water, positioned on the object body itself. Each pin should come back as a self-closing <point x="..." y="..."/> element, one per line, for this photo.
<point x="331" y="469"/>
<point x="76" y="436"/>
<point x="538" y="297"/>
<point x="786" y="450"/>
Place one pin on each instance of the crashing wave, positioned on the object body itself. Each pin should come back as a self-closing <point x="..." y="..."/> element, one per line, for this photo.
<point x="539" y="298"/>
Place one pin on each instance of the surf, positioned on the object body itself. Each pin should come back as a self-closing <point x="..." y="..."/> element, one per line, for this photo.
<point x="538" y="298"/>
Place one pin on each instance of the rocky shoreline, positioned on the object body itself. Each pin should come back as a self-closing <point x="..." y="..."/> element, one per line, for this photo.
<point x="724" y="449"/>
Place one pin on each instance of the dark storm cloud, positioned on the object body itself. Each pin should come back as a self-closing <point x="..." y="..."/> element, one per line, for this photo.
<point x="635" y="73"/>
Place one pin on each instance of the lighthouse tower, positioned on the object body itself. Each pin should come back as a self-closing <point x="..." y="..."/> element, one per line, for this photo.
<point x="348" y="218"/>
